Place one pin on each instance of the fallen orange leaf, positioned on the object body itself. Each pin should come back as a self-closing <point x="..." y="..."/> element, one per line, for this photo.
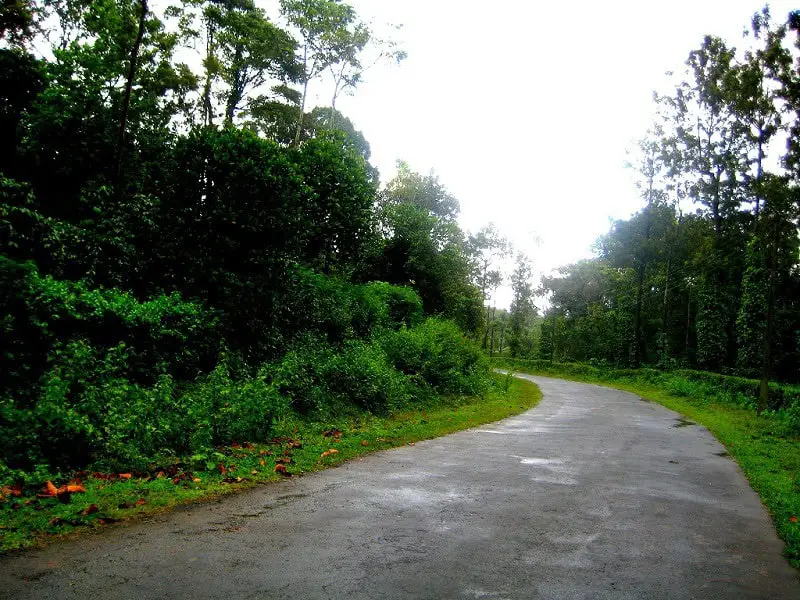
<point x="333" y="451"/>
<point x="793" y="519"/>
<point x="280" y="468"/>
<point x="125" y="475"/>
<point x="91" y="509"/>
<point x="72" y="489"/>
<point x="141" y="501"/>
<point x="364" y="443"/>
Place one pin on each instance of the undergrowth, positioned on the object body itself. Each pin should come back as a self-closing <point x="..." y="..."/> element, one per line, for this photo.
<point x="300" y="444"/>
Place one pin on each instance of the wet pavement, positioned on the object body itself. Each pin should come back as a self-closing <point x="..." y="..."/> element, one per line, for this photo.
<point x="594" y="493"/>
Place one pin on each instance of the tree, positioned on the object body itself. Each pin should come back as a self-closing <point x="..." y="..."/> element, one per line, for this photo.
<point x="522" y="307"/>
<point x="329" y="35"/>
<point x="422" y="191"/>
<point x="487" y="249"/>
<point x="423" y="247"/>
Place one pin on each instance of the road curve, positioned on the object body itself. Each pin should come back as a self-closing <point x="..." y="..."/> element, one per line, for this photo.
<point x="592" y="494"/>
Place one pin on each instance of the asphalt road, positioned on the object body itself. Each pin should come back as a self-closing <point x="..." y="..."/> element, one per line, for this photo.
<point x="592" y="494"/>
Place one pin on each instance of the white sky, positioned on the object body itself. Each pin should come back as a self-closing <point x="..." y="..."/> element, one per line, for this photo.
<point x="525" y="109"/>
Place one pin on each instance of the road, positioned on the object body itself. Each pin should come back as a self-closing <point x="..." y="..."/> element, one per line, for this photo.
<point x="594" y="493"/>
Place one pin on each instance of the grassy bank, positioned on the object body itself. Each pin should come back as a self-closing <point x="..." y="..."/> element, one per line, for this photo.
<point x="300" y="446"/>
<point x="766" y="446"/>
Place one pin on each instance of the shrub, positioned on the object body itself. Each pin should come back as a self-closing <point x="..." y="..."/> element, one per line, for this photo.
<point x="436" y="354"/>
<point x="40" y="314"/>
<point x="381" y="305"/>
<point x="222" y="410"/>
<point x="340" y="310"/>
<point x="88" y="412"/>
<point x="319" y="381"/>
<point x="361" y="373"/>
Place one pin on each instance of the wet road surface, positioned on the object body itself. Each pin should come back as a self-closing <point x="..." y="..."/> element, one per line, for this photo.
<point x="592" y="494"/>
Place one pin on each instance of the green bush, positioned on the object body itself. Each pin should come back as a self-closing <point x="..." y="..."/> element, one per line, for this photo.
<point x="39" y="314"/>
<point x="380" y="305"/>
<point x="221" y="410"/>
<point x="361" y="373"/>
<point x="436" y="354"/>
<point x="340" y="310"/>
<point x="319" y="381"/>
<point x="88" y="412"/>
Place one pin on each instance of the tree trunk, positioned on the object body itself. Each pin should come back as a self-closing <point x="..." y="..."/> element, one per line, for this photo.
<point x="637" y="317"/>
<point x="766" y="365"/>
<point x="759" y="167"/>
<point x="208" y="109"/>
<point x="486" y="329"/>
<point x="664" y="343"/>
<point x="301" y="116"/>
<point x="688" y="320"/>
<point x="126" y="102"/>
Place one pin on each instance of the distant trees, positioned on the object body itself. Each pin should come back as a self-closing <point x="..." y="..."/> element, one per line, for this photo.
<point x="715" y="288"/>
<point x="423" y="247"/>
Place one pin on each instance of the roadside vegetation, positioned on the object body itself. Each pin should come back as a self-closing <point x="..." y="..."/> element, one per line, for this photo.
<point x="766" y="445"/>
<point x="300" y="445"/>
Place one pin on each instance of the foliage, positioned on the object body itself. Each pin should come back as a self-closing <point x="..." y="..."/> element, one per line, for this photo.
<point x="190" y="256"/>
<point x="305" y="444"/>
<point x="706" y="274"/>
<point x="435" y="354"/>
<point x="42" y="314"/>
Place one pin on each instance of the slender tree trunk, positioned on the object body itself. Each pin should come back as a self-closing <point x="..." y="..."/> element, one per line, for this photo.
<point x="208" y="109"/>
<point x="688" y="320"/>
<point x="500" y="345"/>
<point x="637" y="316"/>
<point x="302" y="114"/>
<point x="486" y="329"/>
<point x="126" y="102"/>
<point x="759" y="167"/>
<point x="766" y="365"/>
<point x="664" y="343"/>
<point x="639" y="350"/>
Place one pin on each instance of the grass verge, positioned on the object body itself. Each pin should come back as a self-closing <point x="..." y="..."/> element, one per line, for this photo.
<point x="29" y="519"/>
<point x="765" y="448"/>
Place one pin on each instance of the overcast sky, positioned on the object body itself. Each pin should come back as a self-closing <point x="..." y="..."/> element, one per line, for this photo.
<point x="525" y="109"/>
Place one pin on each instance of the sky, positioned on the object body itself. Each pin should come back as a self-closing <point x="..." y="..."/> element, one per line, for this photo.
<point x="525" y="110"/>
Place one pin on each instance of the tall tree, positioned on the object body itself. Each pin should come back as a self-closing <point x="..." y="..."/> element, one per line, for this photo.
<point x="330" y="34"/>
<point x="522" y="307"/>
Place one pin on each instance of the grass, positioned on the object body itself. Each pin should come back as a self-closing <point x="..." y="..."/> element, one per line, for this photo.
<point x="300" y="447"/>
<point x="766" y="447"/>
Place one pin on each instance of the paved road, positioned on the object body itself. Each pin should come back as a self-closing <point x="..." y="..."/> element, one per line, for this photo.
<point x="592" y="494"/>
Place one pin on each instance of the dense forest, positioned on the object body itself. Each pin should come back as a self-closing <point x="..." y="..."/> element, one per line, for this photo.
<point x="187" y="251"/>
<point x="707" y="274"/>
